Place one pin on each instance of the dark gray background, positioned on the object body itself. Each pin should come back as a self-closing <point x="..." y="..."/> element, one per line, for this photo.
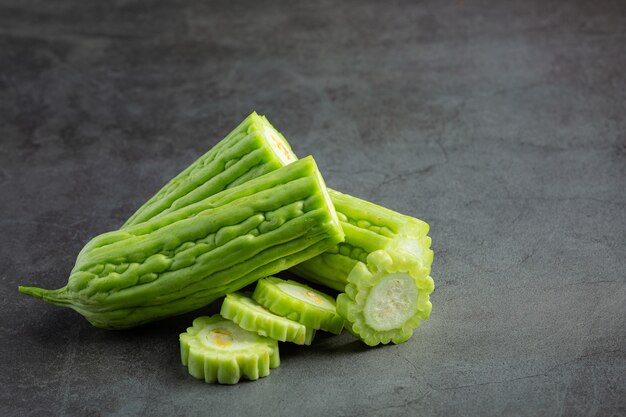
<point x="501" y="124"/>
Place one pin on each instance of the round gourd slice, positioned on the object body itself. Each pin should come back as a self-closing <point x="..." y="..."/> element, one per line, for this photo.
<point x="299" y="302"/>
<point x="217" y="350"/>
<point x="252" y="316"/>
<point x="385" y="299"/>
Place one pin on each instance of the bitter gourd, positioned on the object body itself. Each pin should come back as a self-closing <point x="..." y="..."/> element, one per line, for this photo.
<point x="368" y="227"/>
<point x="386" y="298"/>
<point x="185" y="259"/>
<point x="252" y="149"/>
<point x="299" y="302"/>
<point x="383" y="268"/>
<point x="250" y="315"/>
<point x="217" y="350"/>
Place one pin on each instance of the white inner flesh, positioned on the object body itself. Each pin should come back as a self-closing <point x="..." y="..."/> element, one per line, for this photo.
<point x="414" y="247"/>
<point x="227" y="335"/>
<point x="259" y="308"/>
<point x="305" y="295"/>
<point x="279" y="148"/>
<point x="391" y="303"/>
<point x="329" y="202"/>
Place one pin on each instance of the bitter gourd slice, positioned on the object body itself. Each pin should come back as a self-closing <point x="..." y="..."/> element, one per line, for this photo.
<point x="185" y="259"/>
<point x="252" y="316"/>
<point x="299" y="302"/>
<point x="252" y="149"/>
<point x="217" y="350"/>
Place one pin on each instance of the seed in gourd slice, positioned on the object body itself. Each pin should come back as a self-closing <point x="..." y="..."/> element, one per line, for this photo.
<point x="252" y="316"/>
<point x="217" y="350"/>
<point x="299" y="302"/>
<point x="385" y="299"/>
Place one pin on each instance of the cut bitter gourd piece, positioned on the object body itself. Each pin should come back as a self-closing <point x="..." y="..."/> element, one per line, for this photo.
<point x="183" y="260"/>
<point x="383" y="266"/>
<point x="386" y="298"/>
<point x="217" y="350"/>
<point x="299" y="302"/>
<point x="252" y="149"/>
<point x="252" y="316"/>
<point x="368" y="227"/>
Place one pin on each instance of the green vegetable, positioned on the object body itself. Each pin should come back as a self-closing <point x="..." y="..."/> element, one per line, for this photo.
<point x="251" y="150"/>
<point x="368" y="227"/>
<point x="185" y="259"/>
<point x="250" y="315"/>
<point x="217" y="350"/>
<point x="386" y="299"/>
<point x="383" y="267"/>
<point x="299" y="302"/>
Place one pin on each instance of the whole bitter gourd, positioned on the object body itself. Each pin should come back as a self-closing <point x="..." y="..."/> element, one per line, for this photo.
<point x="185" y="259"/>
<point x="252" y="149"/>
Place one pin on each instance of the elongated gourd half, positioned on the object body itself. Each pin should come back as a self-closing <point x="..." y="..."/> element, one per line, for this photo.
<point x="252" y="149"/>
<point x="185" y="259"/>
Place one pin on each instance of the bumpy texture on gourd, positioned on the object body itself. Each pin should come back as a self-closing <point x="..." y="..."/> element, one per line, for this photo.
<point x="217" y="350"/>
<point x="185" y="259"/>
<point x="252" y="149"/>
<point x="299" y="302"/>
<point x="252" y="316"/>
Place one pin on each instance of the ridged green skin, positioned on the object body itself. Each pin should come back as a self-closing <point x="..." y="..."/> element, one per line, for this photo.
<point x="252" y="149"/>
<point x="185" y="259"/>
<point x="368" y="227"/>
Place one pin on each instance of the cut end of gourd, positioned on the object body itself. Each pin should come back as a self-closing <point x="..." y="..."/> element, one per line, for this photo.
<point x="279" y="146"/>
<point x="386" y="299"/>
<point x="329" y="202"/>
<point x="391" y="303"/>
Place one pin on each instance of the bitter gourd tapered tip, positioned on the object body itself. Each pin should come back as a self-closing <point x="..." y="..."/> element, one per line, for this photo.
<point x="32" y="291"/>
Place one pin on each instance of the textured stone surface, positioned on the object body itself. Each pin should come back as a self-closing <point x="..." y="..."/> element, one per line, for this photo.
<point x="500" y="123"/>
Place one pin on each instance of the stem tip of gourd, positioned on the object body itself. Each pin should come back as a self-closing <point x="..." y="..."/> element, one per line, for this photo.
<point x="32" y="291"/>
